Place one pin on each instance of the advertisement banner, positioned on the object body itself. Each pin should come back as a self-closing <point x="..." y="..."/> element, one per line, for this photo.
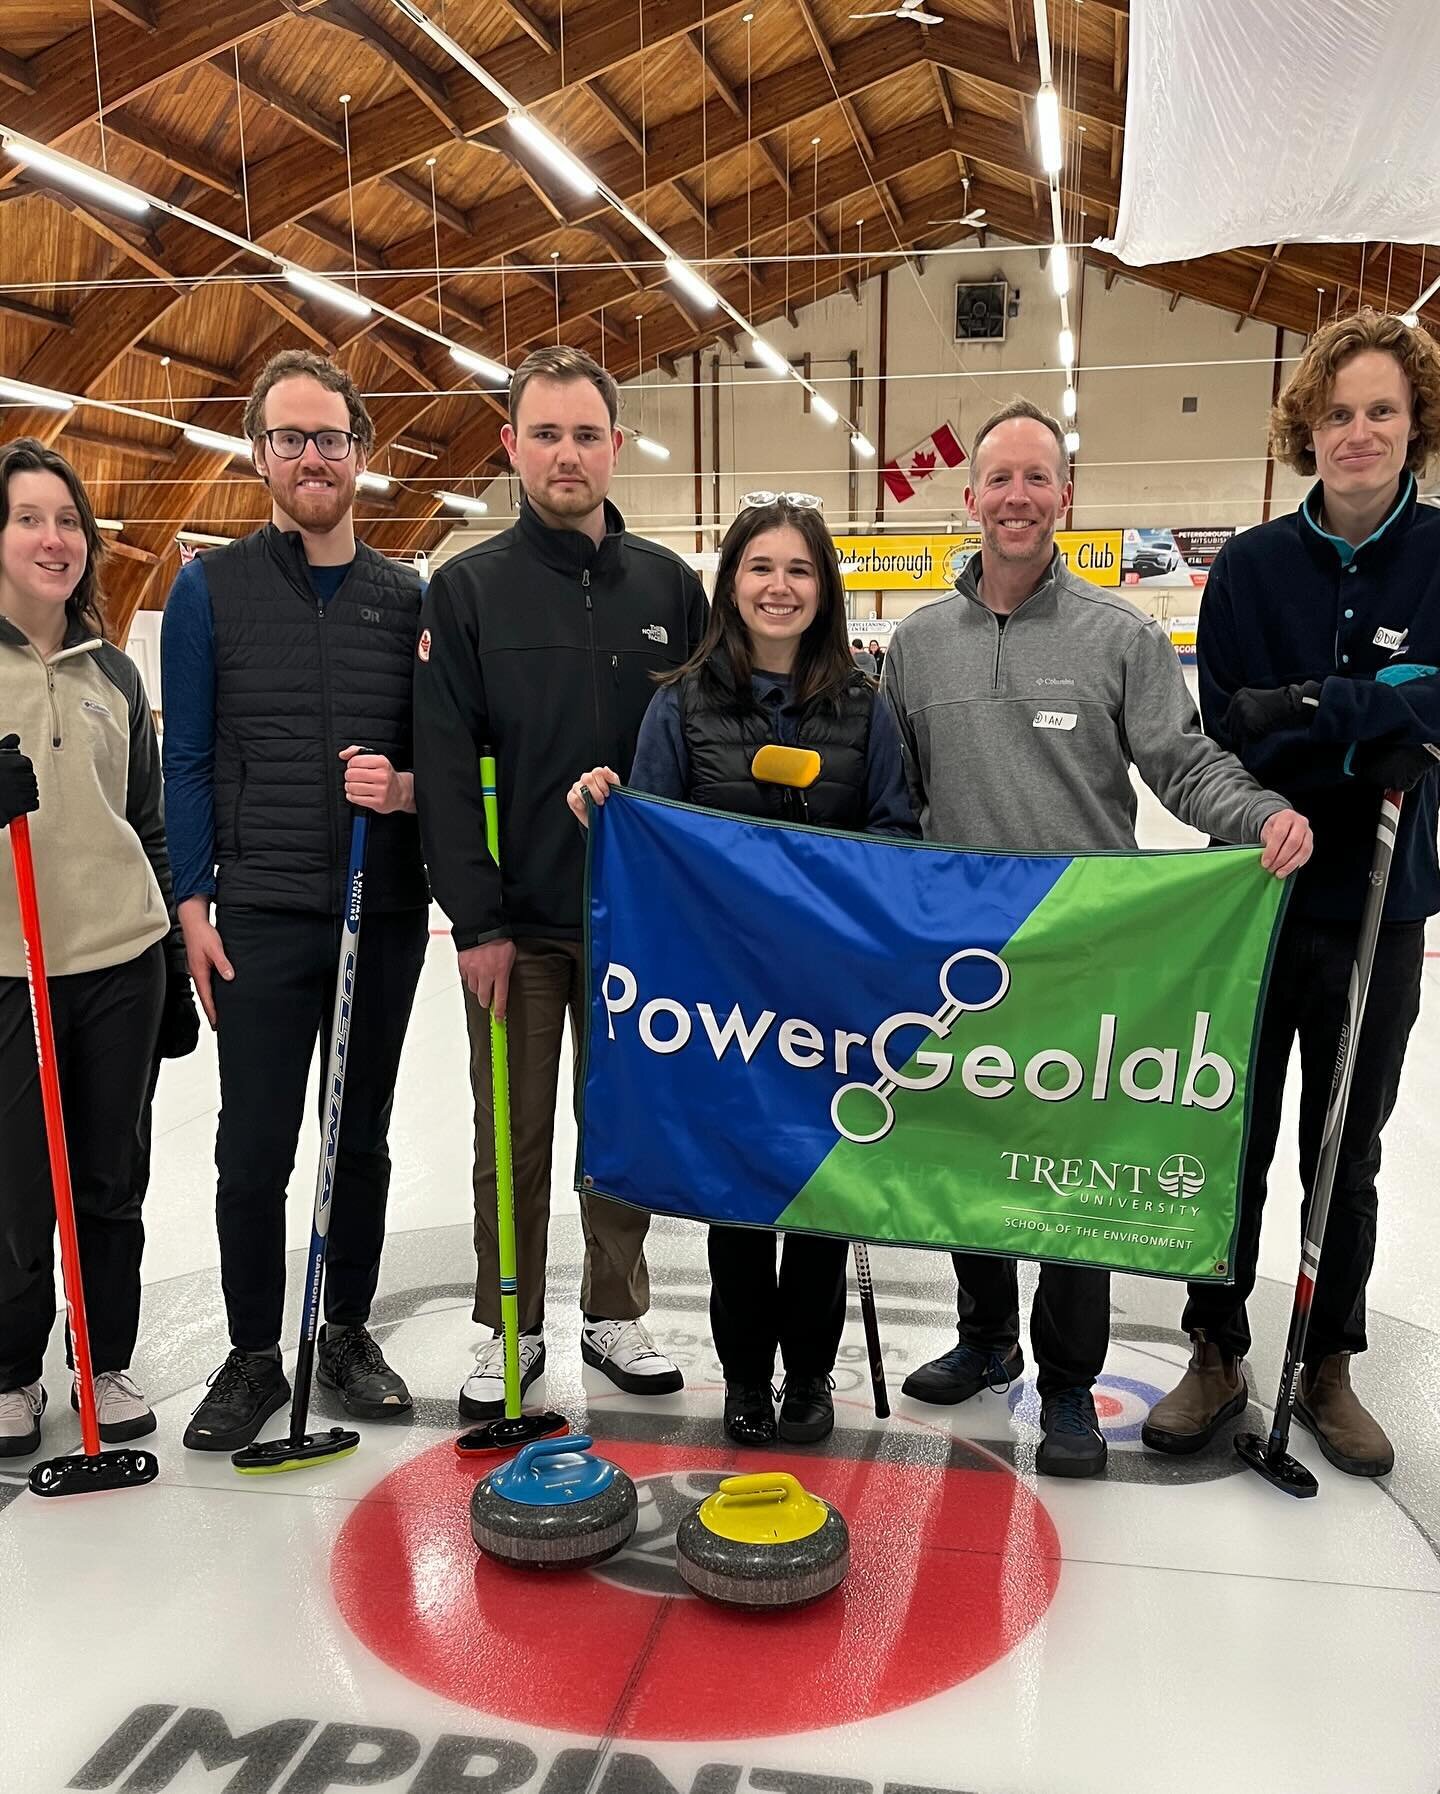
<point x="886" y="563"/>
<point x="1029" y="1055"/>
<point x="1173" y="557"/>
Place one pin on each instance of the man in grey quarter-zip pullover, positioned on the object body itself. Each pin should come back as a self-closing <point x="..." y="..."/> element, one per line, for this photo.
<point x="1023" y="700"/>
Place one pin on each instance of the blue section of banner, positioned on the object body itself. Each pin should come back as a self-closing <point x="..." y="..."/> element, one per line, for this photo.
<point x="691" y="904"/>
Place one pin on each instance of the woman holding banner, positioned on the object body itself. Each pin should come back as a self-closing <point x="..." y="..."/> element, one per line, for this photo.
<point x="774" y="670"/>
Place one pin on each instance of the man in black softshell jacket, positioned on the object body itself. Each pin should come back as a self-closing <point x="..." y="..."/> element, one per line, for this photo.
<point x="1318" y="649"/>
<point x="540" y="644"/>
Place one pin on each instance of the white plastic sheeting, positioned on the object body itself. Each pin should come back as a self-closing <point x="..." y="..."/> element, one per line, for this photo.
<point x="1275" y="121"/>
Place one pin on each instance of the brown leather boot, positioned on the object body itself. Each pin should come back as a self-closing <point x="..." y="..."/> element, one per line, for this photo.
<point x="1348" y="1434"/>
<point x="1212" y="1391"/>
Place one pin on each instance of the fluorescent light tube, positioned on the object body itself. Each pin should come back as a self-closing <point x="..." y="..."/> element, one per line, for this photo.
<point x="690" y="282"/>
<point x="1059" y="270"/>
<point x="40" y="396"/>
<point x="1068" y="401"/>
<point x="328" y="292"/>
<point x="573" y="173"/>
<point x="482" y="365"/>
<point x="862" y="445"/>
<point x="218" y="444"/>
<point x="770" y="355"/>
<point x="373" y="482"/>
<point x="1072" y="442"/>
<point x="76" y="175"/>
<point x="1067" y="348"/>
<point x="649" y="446"/>
<point x="457" y="501"/>
<point x="823" y="408"/>
<point x="1047" y="116"/>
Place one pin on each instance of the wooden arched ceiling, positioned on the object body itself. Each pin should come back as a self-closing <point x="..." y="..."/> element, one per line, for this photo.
<point x="655" y="95"/>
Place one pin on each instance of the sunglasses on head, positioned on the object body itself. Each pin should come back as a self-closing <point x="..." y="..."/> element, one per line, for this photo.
<point x="799" y="501"/>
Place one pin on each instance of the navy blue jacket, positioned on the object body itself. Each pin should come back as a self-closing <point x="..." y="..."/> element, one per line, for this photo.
<point x="1287" y="602"/>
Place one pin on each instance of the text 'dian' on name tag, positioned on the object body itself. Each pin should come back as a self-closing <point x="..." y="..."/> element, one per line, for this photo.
<point x="1054" y="719"/>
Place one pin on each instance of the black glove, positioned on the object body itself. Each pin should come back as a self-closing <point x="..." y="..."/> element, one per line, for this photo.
<point x="1256" y="712"/>
<point x="179" y="1020"/>
<point x="19" y="794"/>
<point x="1396" y="768"/>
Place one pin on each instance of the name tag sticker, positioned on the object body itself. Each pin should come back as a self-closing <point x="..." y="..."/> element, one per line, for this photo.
<point x="1054" y="719"/>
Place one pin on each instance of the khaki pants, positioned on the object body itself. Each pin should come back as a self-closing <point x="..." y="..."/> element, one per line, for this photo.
<point x="548" y="979"/>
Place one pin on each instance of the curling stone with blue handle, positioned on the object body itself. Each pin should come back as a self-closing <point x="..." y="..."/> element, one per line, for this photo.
<point x="553" y="1507"/>
<point x="763" y="1541"/>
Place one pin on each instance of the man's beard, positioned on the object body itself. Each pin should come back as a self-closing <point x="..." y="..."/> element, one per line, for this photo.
<point x="319" y="511"/>
<point x="570" y="501"/>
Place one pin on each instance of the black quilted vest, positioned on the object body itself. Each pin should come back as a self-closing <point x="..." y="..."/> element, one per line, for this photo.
<point x="295" y="683"/>
<point x="721" y="738"/>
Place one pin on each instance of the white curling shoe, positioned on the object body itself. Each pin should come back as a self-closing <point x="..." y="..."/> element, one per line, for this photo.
<point x="482" y="1396"/>
<point x="20" y="1411"/>
<point x="120" y="1408"/>
<point x="627" y="1354"/>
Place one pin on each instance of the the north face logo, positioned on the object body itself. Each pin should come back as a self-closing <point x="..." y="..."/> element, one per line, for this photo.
<point x="657" y="632"/>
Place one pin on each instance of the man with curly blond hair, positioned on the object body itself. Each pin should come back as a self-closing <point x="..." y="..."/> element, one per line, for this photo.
<point x="1299" y="618"/>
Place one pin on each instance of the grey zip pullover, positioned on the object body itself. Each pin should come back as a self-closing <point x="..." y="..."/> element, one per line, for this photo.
<point x="1019" y="739"/>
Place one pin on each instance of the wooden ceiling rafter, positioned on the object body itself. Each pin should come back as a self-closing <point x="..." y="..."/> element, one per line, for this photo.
<point x="140" y="13"/>
<point x="283" y="187"/>
<point x="428" y="86"/>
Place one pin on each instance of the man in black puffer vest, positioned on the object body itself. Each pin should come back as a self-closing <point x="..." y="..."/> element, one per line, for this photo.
<point x="288" y="705"/>
<point x="541" y="643"/>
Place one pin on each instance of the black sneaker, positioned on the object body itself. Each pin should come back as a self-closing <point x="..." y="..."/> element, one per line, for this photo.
<point x="961" y="1372"/>
<point x="750" y="1413"/>
<point x="807" y="1413"/>
<point x="1072" y="1444"/>
<point x="246" y="1390"/>
<point x="349" y="1360"/>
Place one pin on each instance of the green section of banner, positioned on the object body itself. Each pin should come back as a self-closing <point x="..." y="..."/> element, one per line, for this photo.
<point x="1097" y="1112"/>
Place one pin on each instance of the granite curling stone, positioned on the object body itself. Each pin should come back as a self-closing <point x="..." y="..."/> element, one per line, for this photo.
<point x="763" y="1541"/>
<point x="553" y="1507"/>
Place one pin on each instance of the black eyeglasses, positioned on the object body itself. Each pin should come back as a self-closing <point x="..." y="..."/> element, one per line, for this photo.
<point x="289" y="445"/>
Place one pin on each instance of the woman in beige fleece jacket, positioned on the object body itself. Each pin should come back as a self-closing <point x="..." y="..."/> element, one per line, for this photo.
<point x="78" y="748"/>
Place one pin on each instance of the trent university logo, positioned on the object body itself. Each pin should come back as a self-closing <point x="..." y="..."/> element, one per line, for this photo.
<point x="1181" y="1175"/>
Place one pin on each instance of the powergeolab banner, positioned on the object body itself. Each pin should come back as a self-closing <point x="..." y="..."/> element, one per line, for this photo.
<point x="1038" y="1056"/>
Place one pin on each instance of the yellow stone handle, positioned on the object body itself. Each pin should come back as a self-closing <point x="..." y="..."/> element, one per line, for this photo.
<point x="776" y="1486"/>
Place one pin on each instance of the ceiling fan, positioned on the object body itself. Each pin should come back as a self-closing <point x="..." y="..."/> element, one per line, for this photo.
<point x="972" y="217"/>
<point x="908" y="9"/>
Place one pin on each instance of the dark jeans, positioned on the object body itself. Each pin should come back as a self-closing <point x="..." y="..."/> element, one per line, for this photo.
<point x="1069" y="1318"/>
<point x="752" y="1311"/>
<point x="1307" y="998"/>
<point x="106" y="1024"/>
<point x="269" y="1020"/>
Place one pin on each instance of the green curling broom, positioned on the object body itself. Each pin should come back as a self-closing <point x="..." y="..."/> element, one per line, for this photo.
<point x="513" y="1429"/>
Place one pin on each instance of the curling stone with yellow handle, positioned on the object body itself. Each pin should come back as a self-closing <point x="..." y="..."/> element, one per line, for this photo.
<point x="762" y="1541"/>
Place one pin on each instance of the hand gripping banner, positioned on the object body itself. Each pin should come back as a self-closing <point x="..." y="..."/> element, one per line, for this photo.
<point x="1038" y="1056"/>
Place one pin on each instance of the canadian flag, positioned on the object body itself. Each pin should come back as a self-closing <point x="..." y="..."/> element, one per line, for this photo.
<point x="187" y="551"/>
<point x="905" y="472"/>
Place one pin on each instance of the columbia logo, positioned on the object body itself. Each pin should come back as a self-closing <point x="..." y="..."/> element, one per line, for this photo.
<point x="656" y="632"/>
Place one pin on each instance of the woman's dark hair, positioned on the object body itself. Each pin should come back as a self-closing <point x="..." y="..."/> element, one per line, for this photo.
<point x="823" y="667"/>
<point x="29" y="456"/>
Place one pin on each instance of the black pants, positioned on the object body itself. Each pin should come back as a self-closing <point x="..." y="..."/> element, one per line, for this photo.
<point x="1307" y="998"/>
<point x="1069" y="1318"/>
<point x="752" y="1311"/>
<point x="106" y="1025"/>
<point x="269" y="1020"/>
